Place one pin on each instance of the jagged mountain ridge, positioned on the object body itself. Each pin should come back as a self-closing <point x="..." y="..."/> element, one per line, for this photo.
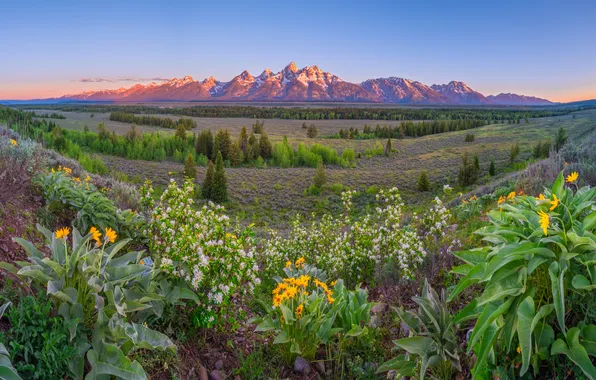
<point x="307" y="84"/>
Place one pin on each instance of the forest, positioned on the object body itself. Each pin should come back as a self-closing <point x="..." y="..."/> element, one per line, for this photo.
<point x="163" y="122"/>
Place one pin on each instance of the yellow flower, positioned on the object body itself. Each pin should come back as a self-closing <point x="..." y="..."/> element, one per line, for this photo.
<point x="511" y="195"/>
<point x="541" y="197"/>
<point x="13" y="142"/>
<point x="330" y="299"/>
<point x="299" y="310"/>
<point x="288" y="264"/>
<point x="77" y="179"/>
<point x="62" y="232"/>
<point x="519" y="350"/>
<point x="501" y="199"/>
<point x="87" y="178"/>
<point x="333" y="283"/>
<point x="521" y="192"/>
<point x="300" y="262"/>
<point x="95" y="235"/>
<point x="111" y="235"/>
<point x="572" y="177"/>
<point x="142" y="262"/>
<point x="276" y="301"/>
<point x="554" y="203"/>
<point x="544" y="221"/>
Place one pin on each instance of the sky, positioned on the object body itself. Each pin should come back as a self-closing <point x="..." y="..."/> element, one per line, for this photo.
<point x="539" y="48"/>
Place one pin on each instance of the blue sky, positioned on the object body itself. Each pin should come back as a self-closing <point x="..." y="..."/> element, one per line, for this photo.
<point x="541" y="48"/>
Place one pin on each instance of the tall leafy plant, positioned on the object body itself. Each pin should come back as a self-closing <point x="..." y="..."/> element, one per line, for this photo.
<point x="539" y="252"/>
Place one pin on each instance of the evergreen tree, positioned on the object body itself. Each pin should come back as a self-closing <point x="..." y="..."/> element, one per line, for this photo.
<point x="181" y="132"/>
<point x="320" y="178"/>
<point x="208" y="182"/>
<point x="312" y="131"/>
<point x="236" y="155"/>
<point x="243" y="140"/>
<point x="190" y="169"/>
<point x="264" y="146"/>
<point x="476" y="163"/>
<point x="204" y="143"/>
<point x="514" y="152"/>
<point x="219" y="189"/>
<point x="467" y="173"/>
<point x="423" y="182"/>
<point x="561" y="139"/>
<point x="388" y="147"/>
<point x="491" y="169"/>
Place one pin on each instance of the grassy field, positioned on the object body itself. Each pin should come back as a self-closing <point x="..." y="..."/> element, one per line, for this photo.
<point x="269" y="196"/>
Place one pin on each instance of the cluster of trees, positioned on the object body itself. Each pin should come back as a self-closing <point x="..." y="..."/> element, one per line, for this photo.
<point x="349" y="113"/>
<point x="468" y="170"/>
<point x="252" y="150"/>
<point x="215" y="185"/>
<point x="163" y="122"/>
<point x="409" y="129"/>
<point x="52" y="115"/>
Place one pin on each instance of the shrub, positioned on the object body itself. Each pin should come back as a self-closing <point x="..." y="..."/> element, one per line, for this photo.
<point x="491" y="169"/>
<point x="538" y="261"/>
<point x="219" y="187"/>
<point x="190" y="169"/>
<point x="320" y="178"/>
<point x="467" y="173"/>
<point x="39" y="343"/>
<point x="199" y="247"/>
<point x="469" y="137"/>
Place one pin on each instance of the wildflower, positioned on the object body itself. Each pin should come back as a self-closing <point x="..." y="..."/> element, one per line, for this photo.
<point x="519" y="350"/>
<point x="300" y="262"/>
<point x="333" y="283"/>
<point x="521" y="192"/>
<point x="288" y="264"/>
<point x="77" y="179"/>
<point x="299" y="310"/>
<point x="541" y="197"/>
<point x="95" y="235"/>
<point x="330" y="299"/>
<point x="87" y="178"/>
<point x="501" y="199"/>
<point x="511" y="195"/>
<point x="572" y="177"/>
<point x="544" y="221"/>
<point x="62" y="233"/>
<point x="13" y="142"/>
<point x="554" y="203"/>
<point x="111" y="235"/>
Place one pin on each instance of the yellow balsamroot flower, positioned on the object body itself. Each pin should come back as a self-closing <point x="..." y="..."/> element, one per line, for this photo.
<point x="299" y="310"/>
<point x="87" y="178"/>
<point x="554" y="203"/>
<point x="95" y="235"/>
<point x="333" y="283"/>
<point x="77" y="179"/>
<point x="111" y="235"/>
<point x="330" y="299"/>
<point x="511" y="195"/>
<point x="544" y="221"/>
<point x="501" y="199"/>
<point x="62" y="233"/>
<point x="521" y="192"/>
<point x="519" y="350"/>
<point x="277" y="301"/>
<point x="13" y="142"/>
<point x="541" y="197"/>
<point x="572" y="177"/>
<point x="300" y="262"/>
<point x="288" y="264"/>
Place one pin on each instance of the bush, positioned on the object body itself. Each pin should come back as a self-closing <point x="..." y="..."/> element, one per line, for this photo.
<point x="469" y="137"/>
<point x="423" y="183"/>
<point x="38" y="343"/>
<point x="200" y="248"/>
<point x="467" y="174"/>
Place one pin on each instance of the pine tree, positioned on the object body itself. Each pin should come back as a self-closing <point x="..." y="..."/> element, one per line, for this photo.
<point x="219" y="189"/>
<point x="264" y="146"/>
<point x="476" y="163"/>
<point x="388" y="147"/>
<point x="208" y="182"/>
<point x="243" y="140"/>
<point x="561" y="139"/>
<point x="190" y="170"/>
<point x="181" y="132"/>
<point x="204" y="143"/>
<point x="236" y="155"/>
<point x="423" y="182"/>
<point x="491" y="169"/>
<point x="320" y="178"/>
<point x="467" y="173"/>
<point x="514" y="152"/>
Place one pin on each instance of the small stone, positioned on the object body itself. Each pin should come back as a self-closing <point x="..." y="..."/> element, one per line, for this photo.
<point x="219" y="365"/>
<point x="301" y="366"/>
<point x="216" y="375"/>
<point x="203" y="373"/>
<point x="320" y="367"/>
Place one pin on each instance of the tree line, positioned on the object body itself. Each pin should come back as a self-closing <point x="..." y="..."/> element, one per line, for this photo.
<point x="154" y="121"/>
<point x="312" y="113"/>
<point x="409" y="129"/>
<point x="46" y="115"/>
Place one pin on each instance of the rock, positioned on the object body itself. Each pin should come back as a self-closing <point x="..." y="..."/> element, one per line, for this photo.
<point x="320" y="367"/>
<point x="301" y="366"/>
<point x="379" y="308"/>
<point x="219" y="365"/>
<point x="203" y="373"/>
<point x="216" y="375"/>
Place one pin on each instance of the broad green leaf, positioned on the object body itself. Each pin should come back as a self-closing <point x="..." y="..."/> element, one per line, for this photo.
<point x="281" y="338"/>
<point x="588" y="335"/>
<point x="508" y="286"/>
<point x="558" y="288"/>
<point x="542" y="313"/>
<point x="417" y="345"/>
<point x="490" y="313"/>
<point x="400" y="364"/>
<point x="580" y="282"/>
<point x="111" y="361"/>
<point x="575" y="352"/>
<point x="3" y="310"/>
<point x="484" y="347"/>
<point x="525" y="316"/>
<point x="29" y="248"/>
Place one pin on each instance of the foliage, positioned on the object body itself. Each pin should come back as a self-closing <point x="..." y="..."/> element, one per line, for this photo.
<point x="208" y="182"/>
<point x="469" y="137"/>
<point x="38" y="343"/>
<point x="468" y="173"/>
<point x="423" y="183"/>
<point x="312" y="131"/>
<point x="514" y="152"/>
<point x="560" y="139"/>
<point x="349" y="248"/>
<point x="539" y="260"/>
<point x="95" y="288"/>
<point x="190" y="169"/>
<point x="200" y="248"/>
<point x="219" y="186"/>
<point x="6" y="368"/>
<point x="163" y="122"/>
<point x="320" y="178"/>
<point x="542" y="149"/>
<point x="307" y="312"/>
<point x="432" y="343"/>
<point x="492" y="169"/>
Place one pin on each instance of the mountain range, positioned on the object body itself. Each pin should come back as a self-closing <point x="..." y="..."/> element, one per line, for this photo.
<point x="307" y="84"/>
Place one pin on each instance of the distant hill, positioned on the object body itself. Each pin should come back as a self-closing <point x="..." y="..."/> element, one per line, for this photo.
<point x="307" y="84"/>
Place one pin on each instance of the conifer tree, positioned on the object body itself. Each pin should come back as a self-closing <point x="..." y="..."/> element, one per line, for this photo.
<point x="219" y="188"/>
<point x="190" y="170"/>
<point x="388" y="147"/>
<point x="264" y="146"/>
<point x="208" y="182"/>
<point x="491" y="169"/>
<point x="423" y="182"/>
<point x="320" y="178"/>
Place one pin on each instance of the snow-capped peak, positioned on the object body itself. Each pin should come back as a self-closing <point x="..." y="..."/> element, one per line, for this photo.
<point x="180" y="82"/>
